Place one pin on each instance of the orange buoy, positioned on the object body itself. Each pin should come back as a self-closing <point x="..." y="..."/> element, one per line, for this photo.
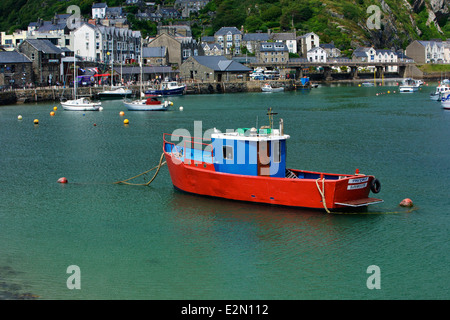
<point x="406" y="203"/>
<point x="62" y="180"/>
<point x="121" y="113"/>
<point x="52" y="113"/>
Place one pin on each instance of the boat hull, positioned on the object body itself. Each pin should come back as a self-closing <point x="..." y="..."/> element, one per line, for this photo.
<point x="202" y="179"/>
<point x="409" y="89"/>
<point x="80" y="106"/>
<point x="272" y="89"/>
<point x="166" y="92"/>
<point x="142" y="106"/>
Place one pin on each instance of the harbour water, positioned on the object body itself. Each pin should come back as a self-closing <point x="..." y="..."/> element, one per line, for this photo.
<point x="137" y="242"/>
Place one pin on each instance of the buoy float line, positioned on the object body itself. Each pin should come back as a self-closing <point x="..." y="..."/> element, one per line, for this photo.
<point x="161" y="163"/>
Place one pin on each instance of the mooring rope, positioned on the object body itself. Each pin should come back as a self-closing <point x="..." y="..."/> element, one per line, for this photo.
<point x="161" y="163"/>
<point x="322" y="193"/>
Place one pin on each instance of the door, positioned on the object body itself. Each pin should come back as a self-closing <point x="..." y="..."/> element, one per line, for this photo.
<point x="263" y="158"/>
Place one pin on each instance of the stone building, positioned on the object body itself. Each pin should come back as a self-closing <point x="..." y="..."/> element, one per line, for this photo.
<point x="15" y="69"/>
<point x="213" y="68"/>
<point x="156" y="56"/>
<point x="273" y="53"/>
<point x="46" y="60"/>
<point x="179" y="48"/>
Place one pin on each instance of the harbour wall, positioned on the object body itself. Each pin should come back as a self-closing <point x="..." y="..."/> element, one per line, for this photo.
<point x="20" y="96"/>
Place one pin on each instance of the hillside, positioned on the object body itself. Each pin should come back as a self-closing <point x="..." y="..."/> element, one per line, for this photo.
<point x="341" y="21"/>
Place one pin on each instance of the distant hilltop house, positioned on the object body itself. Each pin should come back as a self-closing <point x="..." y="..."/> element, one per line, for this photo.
<point x="230" y="39"/>
<point x="213" y="68"/>
<point x="190" y="6"/>
<point x="434" y="51"/>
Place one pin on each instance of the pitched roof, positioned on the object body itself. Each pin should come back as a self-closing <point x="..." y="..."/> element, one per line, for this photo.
<point x="44" y="45"/>
<point x="283" y="36"/>
<point x="99" y="5"/>
<point x="224" y="30"/>
<point x="13" y="57"/>
<point x="255" y="37"/>
<point x="220" y="63"/>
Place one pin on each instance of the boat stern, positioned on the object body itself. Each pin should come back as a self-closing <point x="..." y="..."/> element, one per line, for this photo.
<point x="354" y="191"/>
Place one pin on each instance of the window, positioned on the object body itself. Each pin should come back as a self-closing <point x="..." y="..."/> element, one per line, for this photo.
<point x="276" y="151"/>
<point x="228" y="152"/>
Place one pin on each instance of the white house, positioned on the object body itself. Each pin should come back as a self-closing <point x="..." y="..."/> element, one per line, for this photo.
<point x="317" y="54"/>
<point x="99" y="10"/>
<point x="370" y="54"/>
<point x="308" y="41"/>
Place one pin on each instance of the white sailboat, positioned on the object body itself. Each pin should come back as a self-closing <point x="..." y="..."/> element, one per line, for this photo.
<point x="151" y="103"/>
<point x="82" y="103"/>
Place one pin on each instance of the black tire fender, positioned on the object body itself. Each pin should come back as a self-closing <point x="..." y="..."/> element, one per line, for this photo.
<point x="375" y="185"/>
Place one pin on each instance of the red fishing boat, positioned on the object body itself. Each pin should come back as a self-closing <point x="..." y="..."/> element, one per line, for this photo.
<point x="249" y="164"/>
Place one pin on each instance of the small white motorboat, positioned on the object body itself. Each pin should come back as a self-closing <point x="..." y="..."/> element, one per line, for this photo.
<point x="152" y="103"/>
<point x="409" y="85"/>
<point x="268" y="88"/>
<point x="115" y="93"/>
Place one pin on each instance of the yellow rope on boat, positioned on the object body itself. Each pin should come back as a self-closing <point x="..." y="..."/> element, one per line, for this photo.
<point x="322" y="193"/>
<point x="161" y="163"/>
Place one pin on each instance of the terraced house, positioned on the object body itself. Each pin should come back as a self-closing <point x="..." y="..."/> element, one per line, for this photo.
<point x="273" y="53"/>
<point x="428" y="51"/>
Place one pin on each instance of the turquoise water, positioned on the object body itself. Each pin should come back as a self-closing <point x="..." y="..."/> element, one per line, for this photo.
<point x="135" y="242"/>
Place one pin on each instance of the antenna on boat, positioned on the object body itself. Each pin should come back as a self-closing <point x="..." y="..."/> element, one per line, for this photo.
<point x="271" y="114"/>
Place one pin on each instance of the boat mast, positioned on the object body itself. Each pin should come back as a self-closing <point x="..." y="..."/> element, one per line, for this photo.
<point x="112" y="61"/>
<point x="141" y="63"/>
<point x="74" y="77"/>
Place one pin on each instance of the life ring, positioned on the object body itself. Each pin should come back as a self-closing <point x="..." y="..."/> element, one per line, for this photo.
<point x="375" y="186"/>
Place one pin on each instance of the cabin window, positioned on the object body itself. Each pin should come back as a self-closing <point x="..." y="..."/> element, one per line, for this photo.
<point x="228" y="152"/>
<point x="276" y="152"/>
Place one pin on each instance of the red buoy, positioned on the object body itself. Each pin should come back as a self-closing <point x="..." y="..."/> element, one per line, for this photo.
<point x="62" y="180"/>
<point x="406" y="203"/>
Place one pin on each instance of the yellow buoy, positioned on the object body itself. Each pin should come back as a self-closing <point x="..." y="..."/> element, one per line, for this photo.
<point x="55" y="108"/>
<point x="126" y="121"/>
<point x="36" y="121"/>
<point x="52" y="113"/>
<point x="122" y="113"/>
